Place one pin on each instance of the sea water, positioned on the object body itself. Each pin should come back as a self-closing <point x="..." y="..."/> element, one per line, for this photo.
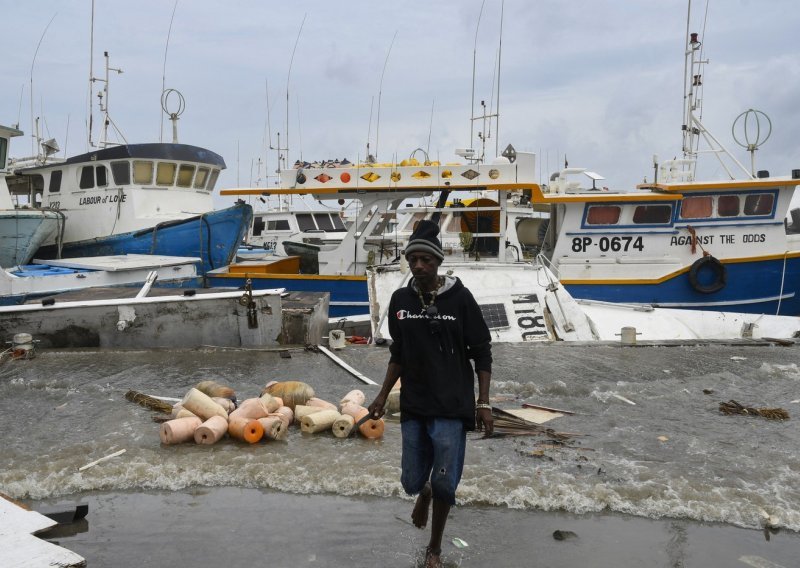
<point x="648" y="438"/>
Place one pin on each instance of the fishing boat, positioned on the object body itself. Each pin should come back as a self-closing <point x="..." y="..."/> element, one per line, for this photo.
<point x="22" y="229"/>
<point x="380" y="190"/>
<point x="29" y="282"/>
<point x="151" y="198"/>
<point x="729" y="244"/>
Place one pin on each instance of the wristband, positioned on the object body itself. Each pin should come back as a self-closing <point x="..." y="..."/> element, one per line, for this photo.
<point x="483" y="405"/>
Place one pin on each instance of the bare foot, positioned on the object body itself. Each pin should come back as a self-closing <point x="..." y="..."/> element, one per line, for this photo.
<point x="419" y="516"/>
<point x="433" y="558"/>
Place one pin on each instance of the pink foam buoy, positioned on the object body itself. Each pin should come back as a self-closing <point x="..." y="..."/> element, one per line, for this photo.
<point x="355" y="397"/>
<point x="252" y="408"/>
<point x="320" y="403"/>
<point x="202" y="405"/>
<point x="211" y="431"/>
<point x="179" y="430"/>
<point x="274" y="427"/>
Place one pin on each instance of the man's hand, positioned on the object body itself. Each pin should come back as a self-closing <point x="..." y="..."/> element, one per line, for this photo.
<point x="376" y="409"/>
<point x="484" y="421"/>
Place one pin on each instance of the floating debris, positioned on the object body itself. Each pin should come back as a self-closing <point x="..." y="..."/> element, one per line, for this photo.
<point x="733" y="407"/>
<point x="563" y="535"/>
<point x="148" y="401"/>
<point x="459" y="543"/>
<point x="507" y="424"/>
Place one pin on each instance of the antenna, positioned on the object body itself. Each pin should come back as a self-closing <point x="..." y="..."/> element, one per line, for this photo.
<point x="35" y="133"/>
<point x="291" y="61"/>
<point x="472" y="104"/>
<point x="369" y="129"/>
<point x="90" y="124"/>
<point x="499" y="58"/>
<point x="104" y="106"/>
<point x="164" y="80"/>
<point x="380" y="92"/>
<point x="430" y="128"/>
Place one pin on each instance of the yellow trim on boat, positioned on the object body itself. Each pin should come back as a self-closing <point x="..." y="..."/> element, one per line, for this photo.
<point x="671" y="275"/>
<point x="601" y="197"/>
<point x="364" y="189"/>
<point x="716" y="186"/>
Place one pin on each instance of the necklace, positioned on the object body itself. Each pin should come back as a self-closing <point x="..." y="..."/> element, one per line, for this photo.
<point x="439" y="284"/>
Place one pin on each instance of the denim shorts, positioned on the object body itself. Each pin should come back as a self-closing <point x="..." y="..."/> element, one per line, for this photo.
<point x="433" y="448"/>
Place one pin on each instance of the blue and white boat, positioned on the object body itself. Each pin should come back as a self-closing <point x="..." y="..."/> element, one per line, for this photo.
<point x="726" y="245"/>
<point x="137" y="199"/>
<point x="22" y="229"/>
<point x="153" y="198"/>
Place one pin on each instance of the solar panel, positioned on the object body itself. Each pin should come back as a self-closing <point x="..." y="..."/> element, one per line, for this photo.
<point x="495" y="315"/>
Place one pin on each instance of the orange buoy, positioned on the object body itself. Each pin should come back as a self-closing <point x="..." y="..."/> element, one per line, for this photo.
<point x="211" y="431"/>
<point x="245" y="429"/>
<point x="369" y="429"/>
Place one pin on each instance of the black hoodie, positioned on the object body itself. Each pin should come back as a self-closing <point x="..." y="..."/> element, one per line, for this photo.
<point x="437" y="379"/>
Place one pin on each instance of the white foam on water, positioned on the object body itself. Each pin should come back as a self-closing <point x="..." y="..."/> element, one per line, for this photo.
<point x="791" y="371"/>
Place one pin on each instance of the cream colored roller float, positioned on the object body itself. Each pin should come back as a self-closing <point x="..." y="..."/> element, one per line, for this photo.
<point x="314" y="401"/>
<point x="285" y="414"/>
<point x="274" y="428"/>
<point x="225" y="403"/>
<point x="302" y="410"/>
<point x="319" y="421"/>
<point x="370" y="428"/>
<point x="392" y="402"/>
<point x="271" y="403"/>
<point x="183" y="413"/>
<point x="355" y="397"/>
<point x="179" y="430"/>
<point x="202" y="405"/>
<point x="343" y="426"/>
<point x="245" y="429"/>
<point x="211" y="431"/>
<point x="253" y="408"/>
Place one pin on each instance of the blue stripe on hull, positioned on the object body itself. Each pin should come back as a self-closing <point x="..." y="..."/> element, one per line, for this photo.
<point x="219" y="232"/>
<point x="752" y="287"/>
<point x="347" y="297"/>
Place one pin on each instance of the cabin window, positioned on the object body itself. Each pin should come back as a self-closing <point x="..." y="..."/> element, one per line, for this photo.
<point x="87" y="177"/>
<point x="258" y="226"/>
<point x="324" y="222"/>
<point x="652" y="214"/>
<point x="728" y="206"/>
<point x="213" y="181"/>
<point x="278" y="225"/>
<point x="201" y="178"/>
<point x="306" y="222"/>
<point x="759" y="204"/>
<point x="697" y="207"/>
<point x="603" y="215"/>
<point x="142" y="172"/>
<point x="121" y="172"/>
<point x="165" y="174"/>
<point x="55" y="182"/>
<point x="3" y="153"/>
<point x="185" y="175"/>
<point x="102" y="176"/>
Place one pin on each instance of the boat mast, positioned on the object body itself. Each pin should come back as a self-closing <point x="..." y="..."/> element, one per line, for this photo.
<point x="693" y="110"/>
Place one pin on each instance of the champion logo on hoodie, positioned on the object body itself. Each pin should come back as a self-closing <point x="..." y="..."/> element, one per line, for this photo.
<point x="405" y="314"/>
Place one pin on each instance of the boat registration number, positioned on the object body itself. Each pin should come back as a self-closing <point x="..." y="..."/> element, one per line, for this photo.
<point x="608" y="244"/>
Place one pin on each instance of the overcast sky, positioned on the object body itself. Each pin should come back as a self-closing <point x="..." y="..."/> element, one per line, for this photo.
<point x="598" y="80"/>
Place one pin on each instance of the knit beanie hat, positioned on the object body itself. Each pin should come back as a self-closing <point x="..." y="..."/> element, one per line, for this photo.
<point x="423" y="239"/>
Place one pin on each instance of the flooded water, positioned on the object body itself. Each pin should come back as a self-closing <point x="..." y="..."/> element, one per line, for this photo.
<point x="671" y="454"/>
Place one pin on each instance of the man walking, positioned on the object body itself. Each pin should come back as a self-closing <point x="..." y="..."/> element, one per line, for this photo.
<point x="436" y="328"/>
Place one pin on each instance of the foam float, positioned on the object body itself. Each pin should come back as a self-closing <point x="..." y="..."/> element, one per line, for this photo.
<point x="202" y="405"/>
<point x="253" y="408"/>
<point x="319" y="421"/>
<point x="179" y="430"/>
<point x="292" y="392"/>
<point x="274" y="427"/>
<point x="211" y="431"/>
<point x="215" y="389"/>
<point x="320" y="403"/>
<point x="245" y="429"/>
<point x="302" y="410"/>
<point x="355" y="397"/>
<point x="369" y="429"/>
<point x="343" y="426"/>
